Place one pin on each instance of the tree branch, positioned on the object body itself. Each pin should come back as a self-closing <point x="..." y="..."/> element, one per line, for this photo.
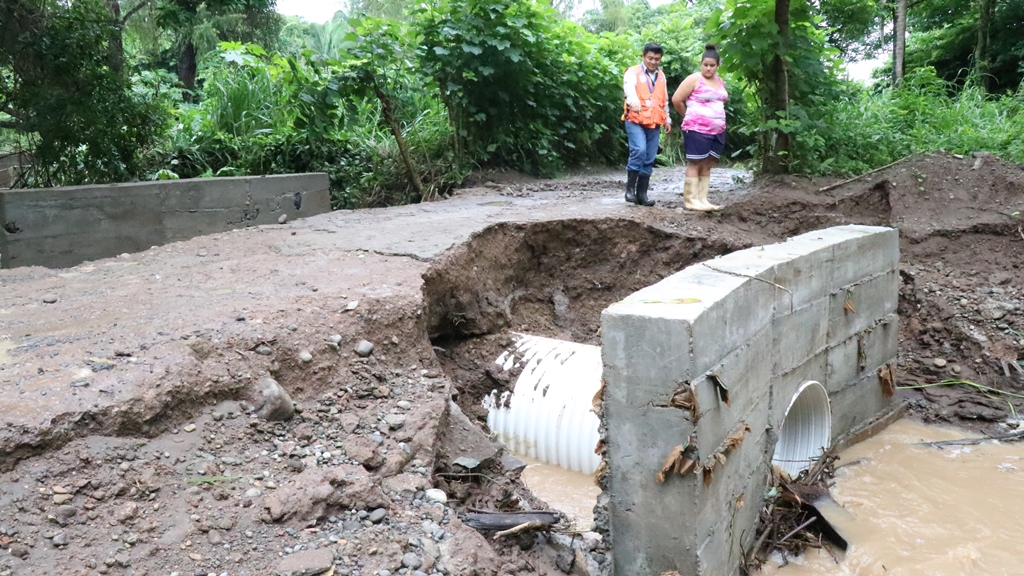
<point x="12" y="125"/>
<point x="130" y="13"/>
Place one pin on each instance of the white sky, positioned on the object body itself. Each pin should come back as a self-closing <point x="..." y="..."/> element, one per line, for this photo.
<point x="321" y="11"/>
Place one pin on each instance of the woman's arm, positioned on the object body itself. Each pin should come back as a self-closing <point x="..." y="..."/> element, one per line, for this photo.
<point x="683" y="92"/>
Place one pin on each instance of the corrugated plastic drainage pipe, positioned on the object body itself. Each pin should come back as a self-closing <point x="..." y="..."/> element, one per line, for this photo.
<point x="549" y="414"/>
<point x="806" y="429"/>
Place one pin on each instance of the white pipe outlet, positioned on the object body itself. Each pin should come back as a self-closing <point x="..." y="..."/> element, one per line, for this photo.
<point x="806" y="429"/>
<point x="549" y="414"/>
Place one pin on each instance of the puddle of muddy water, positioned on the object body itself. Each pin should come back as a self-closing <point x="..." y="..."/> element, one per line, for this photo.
<point x="908" y="509"/>
<point x="574" y="493"/>
<point x="916" y="509"/>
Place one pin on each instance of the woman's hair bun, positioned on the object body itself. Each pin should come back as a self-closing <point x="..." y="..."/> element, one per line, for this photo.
<point x="709" y="47"/>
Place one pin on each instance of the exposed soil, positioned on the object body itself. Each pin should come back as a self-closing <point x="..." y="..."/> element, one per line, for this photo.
<point x="131" y="435"/>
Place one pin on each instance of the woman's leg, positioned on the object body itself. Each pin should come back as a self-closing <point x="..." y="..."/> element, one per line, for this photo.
<point x="705" y="182"/>
<point x="691" y="186"/>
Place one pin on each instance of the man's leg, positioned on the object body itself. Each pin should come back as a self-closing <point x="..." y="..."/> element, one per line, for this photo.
<point x="652" y="136"/>
<point x="637" y="154"/>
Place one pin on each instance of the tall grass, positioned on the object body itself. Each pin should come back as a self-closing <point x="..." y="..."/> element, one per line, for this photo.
<point x="864" y="129"/>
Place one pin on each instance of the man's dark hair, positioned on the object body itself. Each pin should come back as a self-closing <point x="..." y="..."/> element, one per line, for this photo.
<point x="653" y="47"/>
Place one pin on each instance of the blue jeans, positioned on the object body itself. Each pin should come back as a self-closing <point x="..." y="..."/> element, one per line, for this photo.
<point x="643" y="147"/>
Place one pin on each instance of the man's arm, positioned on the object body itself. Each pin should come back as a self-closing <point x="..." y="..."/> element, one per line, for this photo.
<point x="629" y="88"/>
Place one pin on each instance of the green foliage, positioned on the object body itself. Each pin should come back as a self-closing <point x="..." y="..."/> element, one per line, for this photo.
<point x="523" y="88"/>
<point x="747" y="32"/>
<point x="945" y="34"/>
<point x="863" y="129"/>
<point x="61" y="89"/>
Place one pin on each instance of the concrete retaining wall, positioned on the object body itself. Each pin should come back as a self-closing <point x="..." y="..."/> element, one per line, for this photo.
<point x="60" y="227"/>
<point x="821" y="306"/>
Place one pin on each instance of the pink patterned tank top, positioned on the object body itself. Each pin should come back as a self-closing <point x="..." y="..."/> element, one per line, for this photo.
<point x="705" y="108"/>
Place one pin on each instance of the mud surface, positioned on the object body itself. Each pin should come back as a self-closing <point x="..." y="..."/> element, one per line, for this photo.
<point x="131" y="440"/>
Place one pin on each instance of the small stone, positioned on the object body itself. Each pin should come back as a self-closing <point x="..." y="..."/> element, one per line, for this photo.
<point x="435" y="495"/>
<point x="190" y="428"/>
<point x="62" y="498"/>
<point x="282" y="219"/>
<point x="411" y="561"/>
<point x="352" y="305"/>
<point x="66" y="511"/>
<point x="123" y="560"/>
<point x="61" y="539"/>
<point x="939" y="362"/>
<point x="50" y="299"/>
<point x="19" y="550"/>
<point x="377" y="515"/>
<point x="305" y="356"/>
<point x="59" y="490"/>
<point x="364" y="348"/>
<point x="405" y="405"/>
<point x="306" y="563"/>
<point x="214" y="538"/>
<point x="955" y="368"/>
<point x="196" y="557"/>
<point x="395" y="421"/>
<point x="264" y="350"/>
<point x="335" y="339"/>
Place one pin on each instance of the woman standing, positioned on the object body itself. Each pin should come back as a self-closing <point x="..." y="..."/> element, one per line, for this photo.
<point x="700" y="99"/>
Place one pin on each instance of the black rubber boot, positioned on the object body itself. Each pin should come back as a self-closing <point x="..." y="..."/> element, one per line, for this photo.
<point x="631" y="177"/>
<point x="642" y="183"/>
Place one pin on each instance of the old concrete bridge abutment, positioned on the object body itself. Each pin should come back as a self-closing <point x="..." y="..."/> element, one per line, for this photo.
<point x="755" y="327"/>
<point x="65" y="226"/>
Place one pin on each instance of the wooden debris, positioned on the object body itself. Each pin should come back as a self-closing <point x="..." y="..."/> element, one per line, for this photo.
<point x="682" y="460"/>
<point x="598" y="398"/>
<point x="887" y="380"/>
<point x="685" y="398"/>
<point x="718" y="457"/>
<point x="855" y="178"/>
<point x="502" y="521"/>
<point x="524" y="527"/>
<point x="790" y="519"/>
<point x="723" y="392"/>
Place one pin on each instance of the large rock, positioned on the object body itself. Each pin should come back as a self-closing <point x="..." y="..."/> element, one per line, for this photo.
<point x="306" y="563"/>
<point x="273" y="402"/>
<point x="362" y="450"/>
<point x="464" y="439"/>
<point x="317" y="491"/>
<point x="467" y="553"/>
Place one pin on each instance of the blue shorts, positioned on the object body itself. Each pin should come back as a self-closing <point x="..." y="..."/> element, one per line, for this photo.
<point x="699" y="146"/>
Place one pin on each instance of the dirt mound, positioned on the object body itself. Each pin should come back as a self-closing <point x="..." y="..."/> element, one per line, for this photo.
<point x="547" y="279"/>
<point x="961" y="317"/>
<point x="350" y="472"/>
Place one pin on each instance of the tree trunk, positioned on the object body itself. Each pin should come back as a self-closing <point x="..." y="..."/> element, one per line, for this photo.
<point x="387" y="110"/>
<point x="115" y="44"/>
<point x="900" y="42"/>
<point x="985" y="8"/>
<point x="777" y="150"/>
<point x="187" y="68"/>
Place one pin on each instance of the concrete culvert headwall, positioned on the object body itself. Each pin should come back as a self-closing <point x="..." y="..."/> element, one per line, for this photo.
<point x="768" y="353"/>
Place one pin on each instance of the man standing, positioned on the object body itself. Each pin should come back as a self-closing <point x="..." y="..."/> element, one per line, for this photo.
<point x="645" y="112"/>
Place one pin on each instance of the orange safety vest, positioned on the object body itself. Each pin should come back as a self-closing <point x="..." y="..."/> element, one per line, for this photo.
<point x="653" y="115"/>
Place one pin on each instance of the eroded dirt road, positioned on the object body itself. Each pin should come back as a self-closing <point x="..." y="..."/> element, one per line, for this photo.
<point x="131" y="436"/>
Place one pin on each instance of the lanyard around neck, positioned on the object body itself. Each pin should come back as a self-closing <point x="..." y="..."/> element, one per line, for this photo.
<point x="650" y="83"/>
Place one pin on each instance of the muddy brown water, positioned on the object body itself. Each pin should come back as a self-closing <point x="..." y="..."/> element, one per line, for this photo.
<point x="907" y="508"/>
